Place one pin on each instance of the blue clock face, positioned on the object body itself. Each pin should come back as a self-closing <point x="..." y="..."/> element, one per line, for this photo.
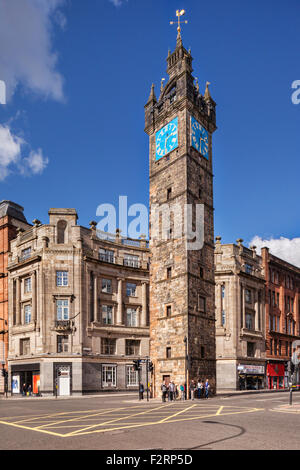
<point x="199" y="137"/>
<point x="167" y="139"/>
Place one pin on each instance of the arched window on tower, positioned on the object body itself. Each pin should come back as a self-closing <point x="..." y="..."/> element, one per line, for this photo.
<point x="61" y="232"/>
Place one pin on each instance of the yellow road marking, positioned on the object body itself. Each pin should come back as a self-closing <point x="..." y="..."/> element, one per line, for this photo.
<point x="31" y="429"/>
<point x="129" y="425"/>
<point x="82" y="417"/>
<point x="119" y="419"/>
<point x="176" y="414"/>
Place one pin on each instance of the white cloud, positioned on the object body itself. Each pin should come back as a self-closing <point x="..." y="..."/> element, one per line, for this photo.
<point x="117" y="3"/>
<point x="26" y="51"/>
<point x="11" y="155"/>
<point x="36" y="162"/>
<point x="284" y="248"/>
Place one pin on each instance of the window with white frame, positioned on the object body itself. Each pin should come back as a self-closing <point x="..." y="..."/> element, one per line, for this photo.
<point x="109" y="375"/>
<point x="27" y="285"/>
<point x="62" y="278"/>
<point x="27" y="314"/>
<point x="106" y="255"/>
<point x="62" y="344"/>
<point x="131" y="376"/>
<point x="106" y="286"/>
<point x="131" y="317"/>
<point x="131" y="260"/>
<point x="130" y="289"/>
<point x="107" y="314"/>
<point x="62" y="310"/>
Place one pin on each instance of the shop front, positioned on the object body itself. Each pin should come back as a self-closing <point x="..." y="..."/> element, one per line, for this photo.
<point x="251" y="377"/>
<point x="25" y="379"/>
<point x="276" y="376"/>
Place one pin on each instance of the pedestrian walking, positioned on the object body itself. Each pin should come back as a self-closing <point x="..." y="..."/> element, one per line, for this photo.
<point x="171" y="391"/>
<point x="192" y="389"/>
<point x="141" y="391"/>
<point x="164" y="391"/>
<point x="207" y="388"/>
<point x="182" y="391"/>
<point x="24" y="390"/>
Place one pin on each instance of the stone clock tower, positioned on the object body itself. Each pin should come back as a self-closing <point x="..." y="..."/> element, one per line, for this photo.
<point x="180" y="125"/>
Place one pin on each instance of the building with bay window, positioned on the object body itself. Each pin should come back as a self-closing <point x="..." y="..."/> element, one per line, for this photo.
<point x="240" y="317"/>
<point x="282" y="318"/>
<point x="78" y="308"/>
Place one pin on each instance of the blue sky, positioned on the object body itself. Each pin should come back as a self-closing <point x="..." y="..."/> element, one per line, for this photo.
<point x="76" y="104"/>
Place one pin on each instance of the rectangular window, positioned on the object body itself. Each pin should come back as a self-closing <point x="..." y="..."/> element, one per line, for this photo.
<point x="250" y="349"/>
<point x="24" y="347"/>
<point x="25" y="254"/>
<point x="107" y="314"/>
<point x="168" y="353"/>
<point x="169" y="273"/>
<point x="109" y="374"/>
<point x="62" y="278"/>
<point x="248" y="268"/>
<point x="202" y="304"/>
<point x="169" y="193"/>
<point x="223" y="318"/>
<point x="131" y="317"/>
<point x="130" y="289"/>
<point x="132" y="347"/>
<point x="62" y="310"/>
<point x="249" y="321"/>
<point x="248" y="296"/>
<point x="108" y="346"/>
<point x="27" y="314"/>
<point x="107" y="255"/>
<point x="131" y="376"/>
<point x="106" y="286"/>
<point x="131" y="260"/>
<point x="62" y="344"/>
<point x="27" y="285"/>
<point x="169" y="311"/>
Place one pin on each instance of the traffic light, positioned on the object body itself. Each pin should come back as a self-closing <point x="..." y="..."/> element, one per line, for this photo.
<point x="150" y="366"/>
<point x="136" y="364"/>
<point x="4" y="373"/>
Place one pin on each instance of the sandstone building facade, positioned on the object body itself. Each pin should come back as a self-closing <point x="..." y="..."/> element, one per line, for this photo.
<point x="282" y="318"/>
<point x="78" y="308"/>
<point x="240" y="317"/>
<point x="180" y="125"/>
<point x="11" y="219"/>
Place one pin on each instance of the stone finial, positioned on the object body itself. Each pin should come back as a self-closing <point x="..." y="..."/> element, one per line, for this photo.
<point x="20" y="230"/>
<point x="162" y="85"/>
<point x="218" y="240"/>
<point x="37" y="223"/>
<point x="240" y="241"/>
<point x="207" y="92"/>
<point x="152" y="97"/>
<point x="253" y="248"/>
<point x="197" y="85"/>
<point x="93" y="225"/>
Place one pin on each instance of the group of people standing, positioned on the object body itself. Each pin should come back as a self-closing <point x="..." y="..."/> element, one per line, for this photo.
<point x="170" y="390"/>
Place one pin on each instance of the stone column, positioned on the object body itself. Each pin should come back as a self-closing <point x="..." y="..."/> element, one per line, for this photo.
<point x="119" y="298"/>
<point x="95" y="297"/>
<point x="144" y="305"/>
<point x="219" y="316"/>
<point x="33" y="306"/>
<point x="244" y="306"/>
<point x="18" y="299"/>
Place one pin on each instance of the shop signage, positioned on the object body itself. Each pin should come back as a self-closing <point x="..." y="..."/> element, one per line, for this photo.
<point x="249" y="369"/>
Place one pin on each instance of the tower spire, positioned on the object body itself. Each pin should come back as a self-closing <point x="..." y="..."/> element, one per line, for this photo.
<point x="179" y="14"/>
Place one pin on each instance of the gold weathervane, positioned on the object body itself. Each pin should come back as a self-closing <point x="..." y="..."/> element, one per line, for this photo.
<point x="179" y="14"/>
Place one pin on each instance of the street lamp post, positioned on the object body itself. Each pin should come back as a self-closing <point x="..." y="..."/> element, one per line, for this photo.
<point x="185" y="366"/>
